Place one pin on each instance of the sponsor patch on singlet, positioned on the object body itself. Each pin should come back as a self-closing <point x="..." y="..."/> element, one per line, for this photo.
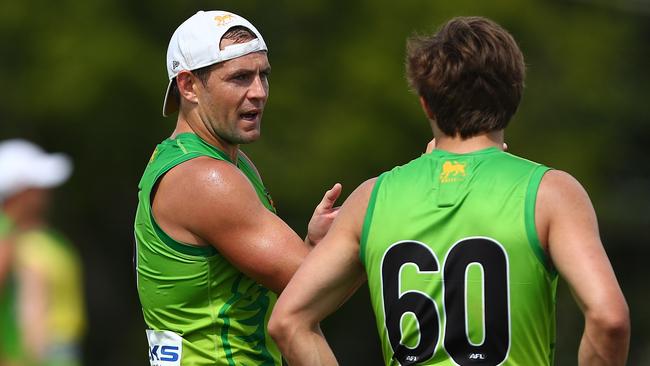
<point x="165" y="348"/>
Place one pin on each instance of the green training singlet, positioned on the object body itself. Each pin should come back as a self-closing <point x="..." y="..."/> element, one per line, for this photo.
<point x="10" y="338"/>
<point x="456" y="272"/>
<point x="56" y="259"/>
<point x="200" y="309"/>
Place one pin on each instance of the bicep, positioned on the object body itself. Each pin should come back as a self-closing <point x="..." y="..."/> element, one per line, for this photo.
<point x="258" y="243"/>
<point x="225" y="212"/>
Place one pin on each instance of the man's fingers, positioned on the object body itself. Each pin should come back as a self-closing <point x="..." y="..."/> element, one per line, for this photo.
<point x="333" y="194"/>
<point x="430" y="146"/>
<point x="332" y="212"/>
<point x="330" y="197"/>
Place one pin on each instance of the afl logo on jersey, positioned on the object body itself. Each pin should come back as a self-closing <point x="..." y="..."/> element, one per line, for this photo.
<point x="477" y="356"/>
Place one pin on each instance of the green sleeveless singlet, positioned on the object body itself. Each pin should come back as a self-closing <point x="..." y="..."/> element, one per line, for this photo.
<point x="200" y="309"/>
<point x="10" y="338"/>
<point x="456" y="272"/>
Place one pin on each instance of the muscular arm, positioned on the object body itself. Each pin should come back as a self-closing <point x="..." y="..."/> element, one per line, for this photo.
<point x="329" y="275"/>
<point x="567" y="223"/>
<point x="210" y="202"/>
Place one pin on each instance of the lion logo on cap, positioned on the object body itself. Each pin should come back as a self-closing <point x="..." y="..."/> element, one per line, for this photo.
<point x="224" y="19"/>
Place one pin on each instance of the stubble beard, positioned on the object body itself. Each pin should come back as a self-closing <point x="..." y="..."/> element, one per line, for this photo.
<point x="241" y="138"/>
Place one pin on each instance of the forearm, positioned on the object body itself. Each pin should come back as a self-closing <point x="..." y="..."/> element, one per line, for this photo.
<point x="604" y="345"/>
<point x="306" y="347"/>
<point x="33" y="301"/>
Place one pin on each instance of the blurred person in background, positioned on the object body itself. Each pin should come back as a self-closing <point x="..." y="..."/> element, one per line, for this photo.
<point x="46" y="296"/>
<point x="6" y="248"/>
<point x="212" y="254"/>
<point x="9" y="339"/>
<point x="462" y="247"/>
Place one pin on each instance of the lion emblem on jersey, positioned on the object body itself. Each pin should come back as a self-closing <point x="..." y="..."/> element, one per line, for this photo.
<point x="452" y="171"/>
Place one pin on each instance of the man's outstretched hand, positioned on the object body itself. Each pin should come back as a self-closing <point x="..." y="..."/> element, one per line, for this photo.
<point x="323" y="216"/>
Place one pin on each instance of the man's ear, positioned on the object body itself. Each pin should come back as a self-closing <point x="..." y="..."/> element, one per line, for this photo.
<point x="186" y="86"/>
<point x="426" y="109"/>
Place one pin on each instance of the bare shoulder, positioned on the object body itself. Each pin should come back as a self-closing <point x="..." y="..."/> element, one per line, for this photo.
<point x="360" y="197"/>
<point x="563" y="205"/>
<point x="366" y="187"/>
<point x="561" y="189"/>
<point x="354" y="208"/>
<point x="201" y="193"/>
<point x="202" y="177"/>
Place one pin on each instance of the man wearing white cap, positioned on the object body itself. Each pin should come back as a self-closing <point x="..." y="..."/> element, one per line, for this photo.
<point x="211" y="253"/>
<point x="42" y="312"/>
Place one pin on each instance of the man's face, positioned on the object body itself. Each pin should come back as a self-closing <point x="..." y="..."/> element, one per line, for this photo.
<point x="232" y="101"/>
<point x="31" y="203"/>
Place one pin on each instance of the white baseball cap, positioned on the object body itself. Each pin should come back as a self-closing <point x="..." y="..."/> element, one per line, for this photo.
<point x="195" y="44"/>
<point x="25" y="165"/>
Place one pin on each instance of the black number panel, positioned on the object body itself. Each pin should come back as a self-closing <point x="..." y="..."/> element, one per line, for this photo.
<point x="493" y="260"/>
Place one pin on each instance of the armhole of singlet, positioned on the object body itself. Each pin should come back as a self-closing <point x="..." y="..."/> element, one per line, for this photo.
<point x="175" y="245"/>
<point x="531" y="228"/>
<point x="249" y="164"/>
<point x="368" y="220"/>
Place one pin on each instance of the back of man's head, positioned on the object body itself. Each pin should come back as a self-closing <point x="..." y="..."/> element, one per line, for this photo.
<point x="470" y="74"/>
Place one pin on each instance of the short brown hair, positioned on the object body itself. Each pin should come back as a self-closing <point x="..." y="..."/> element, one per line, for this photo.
<point x="470" y="74"/>
<point x="238" y="34"/>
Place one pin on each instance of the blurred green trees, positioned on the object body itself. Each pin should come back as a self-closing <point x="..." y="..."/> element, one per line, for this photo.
<point x="88" y="77"/>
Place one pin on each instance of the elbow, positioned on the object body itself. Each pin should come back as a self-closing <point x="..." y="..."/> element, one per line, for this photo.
<point x="280" y="328"/>
<point x="614" y="322"/>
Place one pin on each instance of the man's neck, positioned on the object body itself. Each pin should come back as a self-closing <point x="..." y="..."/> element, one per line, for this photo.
<point x="22" y="219"/>
<point x="458" y="145"/>
<point x="183" y="126"/>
